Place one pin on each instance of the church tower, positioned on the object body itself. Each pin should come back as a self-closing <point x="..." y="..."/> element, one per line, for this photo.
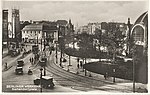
<point x="16" y="26"/>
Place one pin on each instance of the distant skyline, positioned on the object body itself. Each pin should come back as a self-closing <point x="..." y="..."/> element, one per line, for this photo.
<point x="80" y="12"/>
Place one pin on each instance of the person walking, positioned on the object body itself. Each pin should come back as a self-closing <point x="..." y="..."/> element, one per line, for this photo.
<point x="30" y="60"/>
<point x="78" y="66"/>
<point x="81" y="64"/>
<point x="105" y="75"/>
<point x="5" y="65"/>
<point x="78" y="59"/>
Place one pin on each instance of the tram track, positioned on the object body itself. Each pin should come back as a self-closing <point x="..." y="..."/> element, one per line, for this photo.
<point x="71" y="79"/>
<point x="65" y="78"/>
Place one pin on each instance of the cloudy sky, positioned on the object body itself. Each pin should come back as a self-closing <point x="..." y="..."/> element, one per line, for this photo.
<point x="81" y="12"/>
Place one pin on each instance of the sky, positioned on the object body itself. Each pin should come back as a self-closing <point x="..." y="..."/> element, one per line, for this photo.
<point x="80" y="12"/>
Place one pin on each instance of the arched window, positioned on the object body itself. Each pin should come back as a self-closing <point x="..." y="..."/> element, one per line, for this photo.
<point x="138" y="35"/>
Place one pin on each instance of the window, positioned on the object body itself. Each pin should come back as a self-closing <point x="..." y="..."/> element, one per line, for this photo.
<point x="138" y="34"/>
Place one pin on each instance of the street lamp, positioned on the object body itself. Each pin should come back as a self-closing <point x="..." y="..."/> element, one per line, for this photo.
<point x="41" y="79"/>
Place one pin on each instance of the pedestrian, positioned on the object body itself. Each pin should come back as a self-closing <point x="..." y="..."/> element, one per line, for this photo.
<point x="78" y="59"/>
<point x="24" y="50"/>
<point x="81" y="65"/>
<point x="30" y="59"/>
<point x="105" y="75"/>
<point x="5" y="65"/>
<point x="78" y="66"/>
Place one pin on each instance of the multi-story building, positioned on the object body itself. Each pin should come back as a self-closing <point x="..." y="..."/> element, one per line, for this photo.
<point x="93" y="27"/>
<point x="5" y="28"/>
<point x="70" y="28"/>
<point x="37" y="32"/>
<point x="65" y="27"/>
<point x="16" y="26"/>
<point x="10" y="34"/>
<point x="62" y="27"/>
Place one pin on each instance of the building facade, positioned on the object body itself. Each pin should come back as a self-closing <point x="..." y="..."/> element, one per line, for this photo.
<point x="32" y="33"/>
<point x="39" y="32"/>
<point x="5" y="28"/>
<point x="16" y="32"/>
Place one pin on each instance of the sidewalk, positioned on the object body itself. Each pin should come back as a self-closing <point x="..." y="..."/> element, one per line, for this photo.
<point x="74" y="69"/>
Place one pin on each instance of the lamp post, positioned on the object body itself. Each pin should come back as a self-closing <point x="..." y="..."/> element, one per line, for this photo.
<point x="41" y="79"/>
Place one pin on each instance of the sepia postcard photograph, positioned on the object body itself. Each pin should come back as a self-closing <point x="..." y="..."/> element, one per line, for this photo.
<point x="74" y="46"/>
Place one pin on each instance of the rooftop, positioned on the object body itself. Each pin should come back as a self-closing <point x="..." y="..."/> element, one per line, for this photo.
<point x="34" y="26"/>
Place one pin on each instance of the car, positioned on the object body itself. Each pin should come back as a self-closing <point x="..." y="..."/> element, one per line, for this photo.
<point x="45" y="82"/>
<point x="20" y="63"/>
<point x="19" y="70"/>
